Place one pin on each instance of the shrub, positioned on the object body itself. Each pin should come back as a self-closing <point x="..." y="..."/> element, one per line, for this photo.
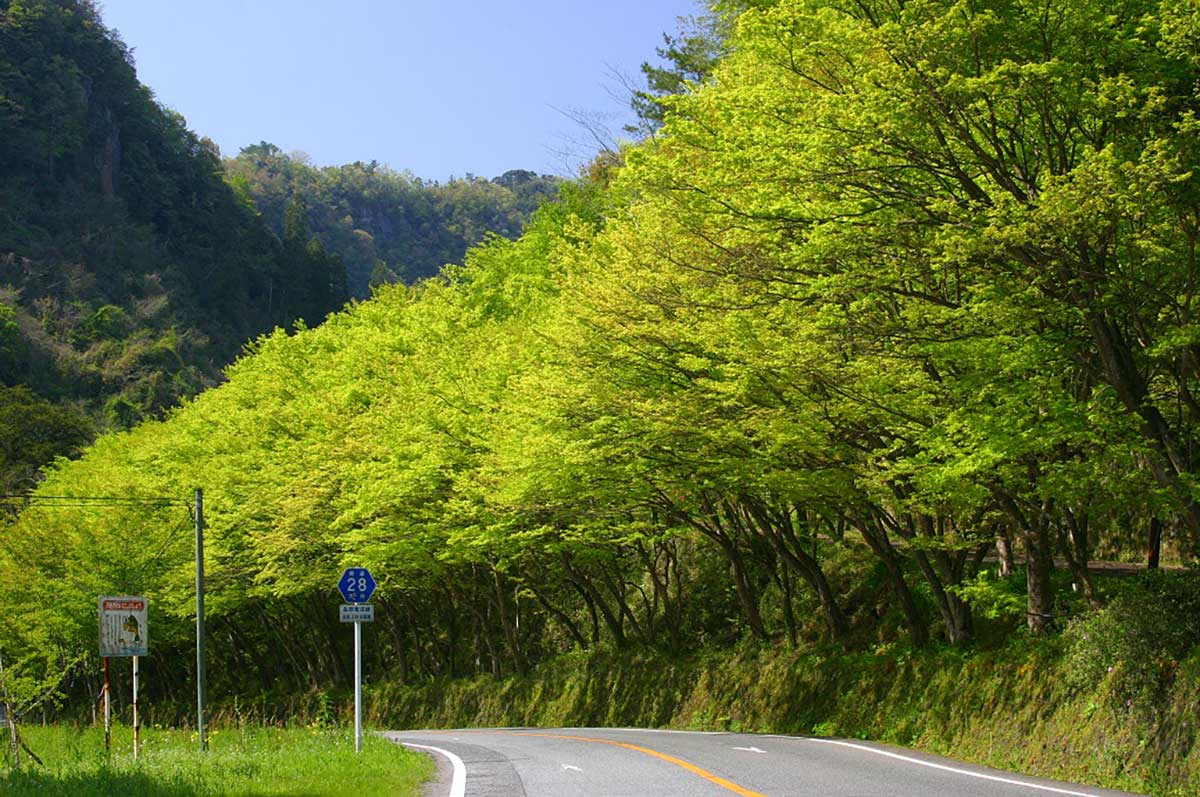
<point x="1135" y="644"/>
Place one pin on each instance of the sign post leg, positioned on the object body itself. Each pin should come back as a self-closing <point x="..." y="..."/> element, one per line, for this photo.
<point x="137" y="725"/>
<point x="7" y="717"/>
<point x="12" y="733"/>
<point x="358" y="687"/>
<point x="107" y="711"/>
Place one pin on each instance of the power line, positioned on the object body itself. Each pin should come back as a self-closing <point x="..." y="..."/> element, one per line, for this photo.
<point x="195" y="513"/>
<point x="86" y="499"/>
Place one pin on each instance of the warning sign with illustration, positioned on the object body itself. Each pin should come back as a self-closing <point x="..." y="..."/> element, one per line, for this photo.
<point x="123" y="626"/>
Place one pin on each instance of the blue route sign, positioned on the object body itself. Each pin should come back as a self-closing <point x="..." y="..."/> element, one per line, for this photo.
<point x="356" y="585"/>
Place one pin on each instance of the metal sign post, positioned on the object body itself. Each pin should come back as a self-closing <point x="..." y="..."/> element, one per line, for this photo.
<point x="137" y="726"/>
<point x="358" y="687"/>
<point x="107" y="711"/>
<point x="357" y="586"/>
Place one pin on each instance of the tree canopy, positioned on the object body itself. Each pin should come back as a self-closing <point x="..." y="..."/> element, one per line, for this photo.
<point x="899" y="299"/>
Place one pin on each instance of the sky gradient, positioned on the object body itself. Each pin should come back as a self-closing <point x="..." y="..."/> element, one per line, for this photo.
<point x="438" y="89"/>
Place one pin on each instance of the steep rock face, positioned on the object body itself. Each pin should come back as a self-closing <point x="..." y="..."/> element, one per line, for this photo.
<point x="110" y="154"/>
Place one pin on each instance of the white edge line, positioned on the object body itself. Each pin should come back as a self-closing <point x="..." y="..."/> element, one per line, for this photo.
<point x="458" y="785"/>
<point x="967" y="772"/>
<point x="655" y="730"/>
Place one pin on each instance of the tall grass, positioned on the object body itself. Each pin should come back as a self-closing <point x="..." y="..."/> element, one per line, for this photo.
<point x="247" y="761"/>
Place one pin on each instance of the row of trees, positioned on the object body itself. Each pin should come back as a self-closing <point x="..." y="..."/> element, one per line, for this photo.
<point x="902" y="295"/>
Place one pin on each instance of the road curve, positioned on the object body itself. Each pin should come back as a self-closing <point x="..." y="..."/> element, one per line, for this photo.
<point x="529" y="762"/>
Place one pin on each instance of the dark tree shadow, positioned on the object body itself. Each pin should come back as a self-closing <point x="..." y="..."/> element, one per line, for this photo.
<point x="95" y="784"/>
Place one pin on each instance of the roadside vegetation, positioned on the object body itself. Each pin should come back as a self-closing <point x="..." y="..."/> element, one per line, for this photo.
<point x="1111" y="702"/>
<point x="242" y="761"/>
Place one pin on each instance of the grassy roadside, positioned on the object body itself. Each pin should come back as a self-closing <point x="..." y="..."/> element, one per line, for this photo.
<point x="1012" y="708"/>
<point x="249" y="761"/>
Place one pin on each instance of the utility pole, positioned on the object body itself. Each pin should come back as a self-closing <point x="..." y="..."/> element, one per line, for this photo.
<point x="201" y="688"/>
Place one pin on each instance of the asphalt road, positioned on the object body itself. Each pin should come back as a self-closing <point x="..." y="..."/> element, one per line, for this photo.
<point x="629" y="763"/>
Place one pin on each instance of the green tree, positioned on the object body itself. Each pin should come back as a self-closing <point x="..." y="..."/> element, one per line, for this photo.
<point x="33" y="433"/>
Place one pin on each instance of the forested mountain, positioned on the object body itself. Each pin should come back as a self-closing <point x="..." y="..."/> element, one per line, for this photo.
<point x="135" y="264"/>
<point x="132" y="272"/>
<point x="386" y="226"/>
<point x="886" y="333"/>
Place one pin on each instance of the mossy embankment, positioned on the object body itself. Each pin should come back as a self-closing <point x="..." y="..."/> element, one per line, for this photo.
<point x="1015" y="707"/>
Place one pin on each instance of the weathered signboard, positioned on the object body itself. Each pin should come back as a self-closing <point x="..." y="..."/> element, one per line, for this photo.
<point x="123" y="630"/>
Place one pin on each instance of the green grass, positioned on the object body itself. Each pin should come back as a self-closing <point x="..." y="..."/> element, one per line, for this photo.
<point x="247" y="761"/>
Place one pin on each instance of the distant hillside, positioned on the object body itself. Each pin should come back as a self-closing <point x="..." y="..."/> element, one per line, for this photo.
<point x="387" y="226"/>
<point x="133" y="267"/>
<point x="130" y="271"/>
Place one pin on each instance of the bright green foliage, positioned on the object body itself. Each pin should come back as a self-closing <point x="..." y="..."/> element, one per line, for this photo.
<point x="896" y="289"/>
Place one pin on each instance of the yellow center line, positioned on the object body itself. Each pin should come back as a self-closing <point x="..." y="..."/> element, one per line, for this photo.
<point x="679" y="762"/>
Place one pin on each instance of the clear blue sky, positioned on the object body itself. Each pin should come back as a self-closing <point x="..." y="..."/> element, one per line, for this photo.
<point x="438" y="88"/>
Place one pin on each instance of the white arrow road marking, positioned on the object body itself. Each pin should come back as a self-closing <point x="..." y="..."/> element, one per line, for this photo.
<point x="458" y="784"/>
<point x="750" y="749"/>
<point x="572" y="768"/>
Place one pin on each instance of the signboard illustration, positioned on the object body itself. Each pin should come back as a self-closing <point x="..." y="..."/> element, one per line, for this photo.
<point x="123" y="630"/>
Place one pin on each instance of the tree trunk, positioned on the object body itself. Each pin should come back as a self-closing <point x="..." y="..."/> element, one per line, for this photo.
<point x="746" y="594"/>
<point x="1121" y="372"/>
<point x="560" y="615"/>
<point x="952" y="616"/>
<point x="877" y="539"/>
<point x="596" y="600"/>
<point x="506" y="623"/>
<point x="1155" y="549"/>
<point x="1074" y="545"/>
<point x="1039" y="564"/>
<point x="1039" y="560"/>
<point x="710" y="526"/>
<point x="1004" y="552"/>
<point x="956" y="615"/>
<point x="789" y="617"/>
<point x="779" y="529"/>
